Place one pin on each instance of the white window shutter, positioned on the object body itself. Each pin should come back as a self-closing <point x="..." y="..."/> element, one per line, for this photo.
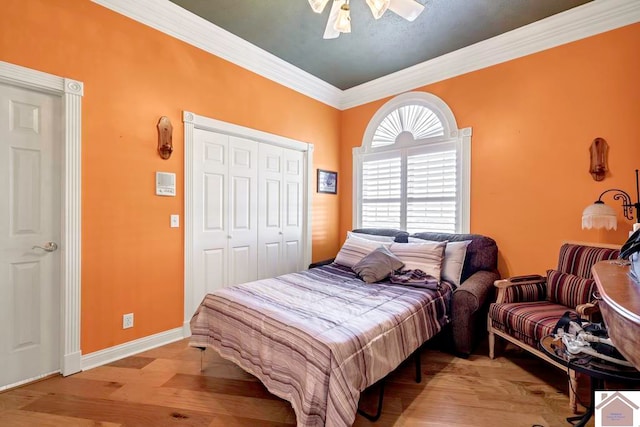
<point x="381" y="192"/>
<point x="431" y="192"/>
<point x="413" y="169"/>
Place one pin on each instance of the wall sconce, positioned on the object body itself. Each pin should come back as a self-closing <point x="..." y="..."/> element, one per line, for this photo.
<point x="165" y="143"/>
<point x="599" y="215"/>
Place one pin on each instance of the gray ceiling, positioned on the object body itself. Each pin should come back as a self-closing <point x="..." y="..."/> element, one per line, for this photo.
<point x="290" y="30"/>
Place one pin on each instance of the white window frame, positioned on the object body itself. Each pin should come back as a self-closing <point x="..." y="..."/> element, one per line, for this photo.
<point x="452" y="134"/>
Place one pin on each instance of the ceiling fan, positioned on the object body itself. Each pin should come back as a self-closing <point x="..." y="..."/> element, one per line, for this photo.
<point x="340" y="20"/>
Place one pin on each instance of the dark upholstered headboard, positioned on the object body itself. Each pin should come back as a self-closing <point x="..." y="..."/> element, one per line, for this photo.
<point x="401" y="236"/>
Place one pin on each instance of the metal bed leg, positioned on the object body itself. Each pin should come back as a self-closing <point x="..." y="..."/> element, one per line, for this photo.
<point x="416" y="357"/>
<point x="202" y="349"/>
<point x="418" y="364"/>
<point x="379" y="410"/>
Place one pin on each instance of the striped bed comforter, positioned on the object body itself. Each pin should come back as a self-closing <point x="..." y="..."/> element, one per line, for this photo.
<point x="318" y="338"/>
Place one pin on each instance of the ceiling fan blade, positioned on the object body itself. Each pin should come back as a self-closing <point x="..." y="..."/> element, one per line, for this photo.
<point x="408" y="9"/>
<point x="330" y="32"/>
<point x="318" y="5"/>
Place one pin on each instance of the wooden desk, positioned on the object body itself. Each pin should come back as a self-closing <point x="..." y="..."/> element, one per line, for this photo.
<point x="620" y="307"/>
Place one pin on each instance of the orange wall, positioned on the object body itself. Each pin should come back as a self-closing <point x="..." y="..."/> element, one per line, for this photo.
<point x="533" y="121"/>
<point x="131" y="260"/>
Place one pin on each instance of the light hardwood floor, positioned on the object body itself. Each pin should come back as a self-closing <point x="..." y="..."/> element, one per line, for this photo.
<point x="165" y="387"/>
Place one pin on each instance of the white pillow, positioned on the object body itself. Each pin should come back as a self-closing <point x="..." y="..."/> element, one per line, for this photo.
<point x="454" y="256"/>
<point x="354" y="249"/>
<point x="374" y="237"/>
<point x="421" y="256"/>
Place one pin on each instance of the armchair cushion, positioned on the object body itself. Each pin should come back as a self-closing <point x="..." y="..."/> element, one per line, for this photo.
<point x="529" y="321"/>
<point x="568" y="290"/>
<point x="578" y="259"/>
<point x="526" y="292"/>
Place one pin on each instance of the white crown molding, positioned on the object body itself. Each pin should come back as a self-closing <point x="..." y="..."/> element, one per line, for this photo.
<point x="177" y="22"/>
<point x="584" y="21"/>
<point x="108" y="355"/>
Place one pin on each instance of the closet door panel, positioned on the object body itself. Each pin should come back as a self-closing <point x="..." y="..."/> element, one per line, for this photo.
<point x="214" y="261"/>
<point x="270" y="198"/>
<point x="210" y="220"/>
<point x="243" y="210"/>
<point x="293" y="209"/>
<point x="240" y="267"/>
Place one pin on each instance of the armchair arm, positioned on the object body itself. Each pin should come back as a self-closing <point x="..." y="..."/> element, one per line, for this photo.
<point x="589" y="311"/>
<point x="521" y="289"/>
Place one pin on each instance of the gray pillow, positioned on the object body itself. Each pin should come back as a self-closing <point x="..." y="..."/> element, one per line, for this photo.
<point x="378" y="265"/>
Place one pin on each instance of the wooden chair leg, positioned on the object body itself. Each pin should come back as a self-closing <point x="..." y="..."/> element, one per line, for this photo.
<point x="492" y="344"/>
<point x="573" y="389"/>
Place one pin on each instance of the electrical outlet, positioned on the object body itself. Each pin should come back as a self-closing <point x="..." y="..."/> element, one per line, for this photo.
<point x="127" y="321"/>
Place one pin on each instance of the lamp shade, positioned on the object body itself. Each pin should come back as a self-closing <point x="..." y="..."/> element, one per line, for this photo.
<point x="599" y="215"/>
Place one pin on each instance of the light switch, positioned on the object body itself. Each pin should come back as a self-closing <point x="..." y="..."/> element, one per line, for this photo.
<point x="175" y="221"/>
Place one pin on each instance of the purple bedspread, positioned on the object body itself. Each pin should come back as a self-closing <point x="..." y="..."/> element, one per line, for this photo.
<point x="318" y="338"/>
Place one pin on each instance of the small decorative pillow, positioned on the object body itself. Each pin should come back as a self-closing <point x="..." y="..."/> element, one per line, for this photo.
<point x="354" y="249"/>
<point x="374" y="237"/>
<point x="453" y="262"/>
<point x="421" y="256"/>
<point x="568" y="289"/>
<point x="378" y="265"/>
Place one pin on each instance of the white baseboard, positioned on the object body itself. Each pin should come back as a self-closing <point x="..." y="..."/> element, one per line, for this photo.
<point x="130" y="348"/>
<point x="186" y="329"/>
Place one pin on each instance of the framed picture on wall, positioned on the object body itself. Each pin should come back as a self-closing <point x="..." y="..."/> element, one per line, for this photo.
<point x="327" y="182"/>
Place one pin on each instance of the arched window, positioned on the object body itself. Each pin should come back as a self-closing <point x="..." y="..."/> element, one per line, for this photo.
<point x="412" y="171"/>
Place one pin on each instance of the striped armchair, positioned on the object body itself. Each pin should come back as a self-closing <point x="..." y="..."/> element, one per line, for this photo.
<point x="528" y="307"/>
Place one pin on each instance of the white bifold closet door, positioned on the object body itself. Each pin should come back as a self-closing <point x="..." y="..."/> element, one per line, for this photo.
<point x="248" y="211"/>
<point x="280" y="207"/>
<point x="225" y="212"/>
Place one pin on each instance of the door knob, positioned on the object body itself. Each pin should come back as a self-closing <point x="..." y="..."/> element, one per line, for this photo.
<point x="49" y="247"/>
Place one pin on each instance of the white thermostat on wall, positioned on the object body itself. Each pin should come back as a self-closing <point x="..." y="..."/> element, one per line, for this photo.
<point x="165" y="184"/>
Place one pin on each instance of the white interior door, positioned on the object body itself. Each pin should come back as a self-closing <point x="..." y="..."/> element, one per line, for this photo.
<point x="243" y="210"/>
<point x="30" y="144"/>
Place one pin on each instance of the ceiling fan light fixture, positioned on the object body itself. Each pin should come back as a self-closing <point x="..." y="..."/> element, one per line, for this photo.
<point x="343" y="20"/>
<point x="378" y="7"/>
<point x="408" y="9"/>
<point x="318" y="5"/>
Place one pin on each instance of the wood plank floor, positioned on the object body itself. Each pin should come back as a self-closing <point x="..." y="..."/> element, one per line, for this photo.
<point x="165" y="387"/>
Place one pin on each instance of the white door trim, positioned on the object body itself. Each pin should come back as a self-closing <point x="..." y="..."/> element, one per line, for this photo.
<point x="193" y="121"/>
<point x="71" y="92"/>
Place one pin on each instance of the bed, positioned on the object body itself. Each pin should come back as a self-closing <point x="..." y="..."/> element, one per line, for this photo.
<point x="318" y="338"/>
